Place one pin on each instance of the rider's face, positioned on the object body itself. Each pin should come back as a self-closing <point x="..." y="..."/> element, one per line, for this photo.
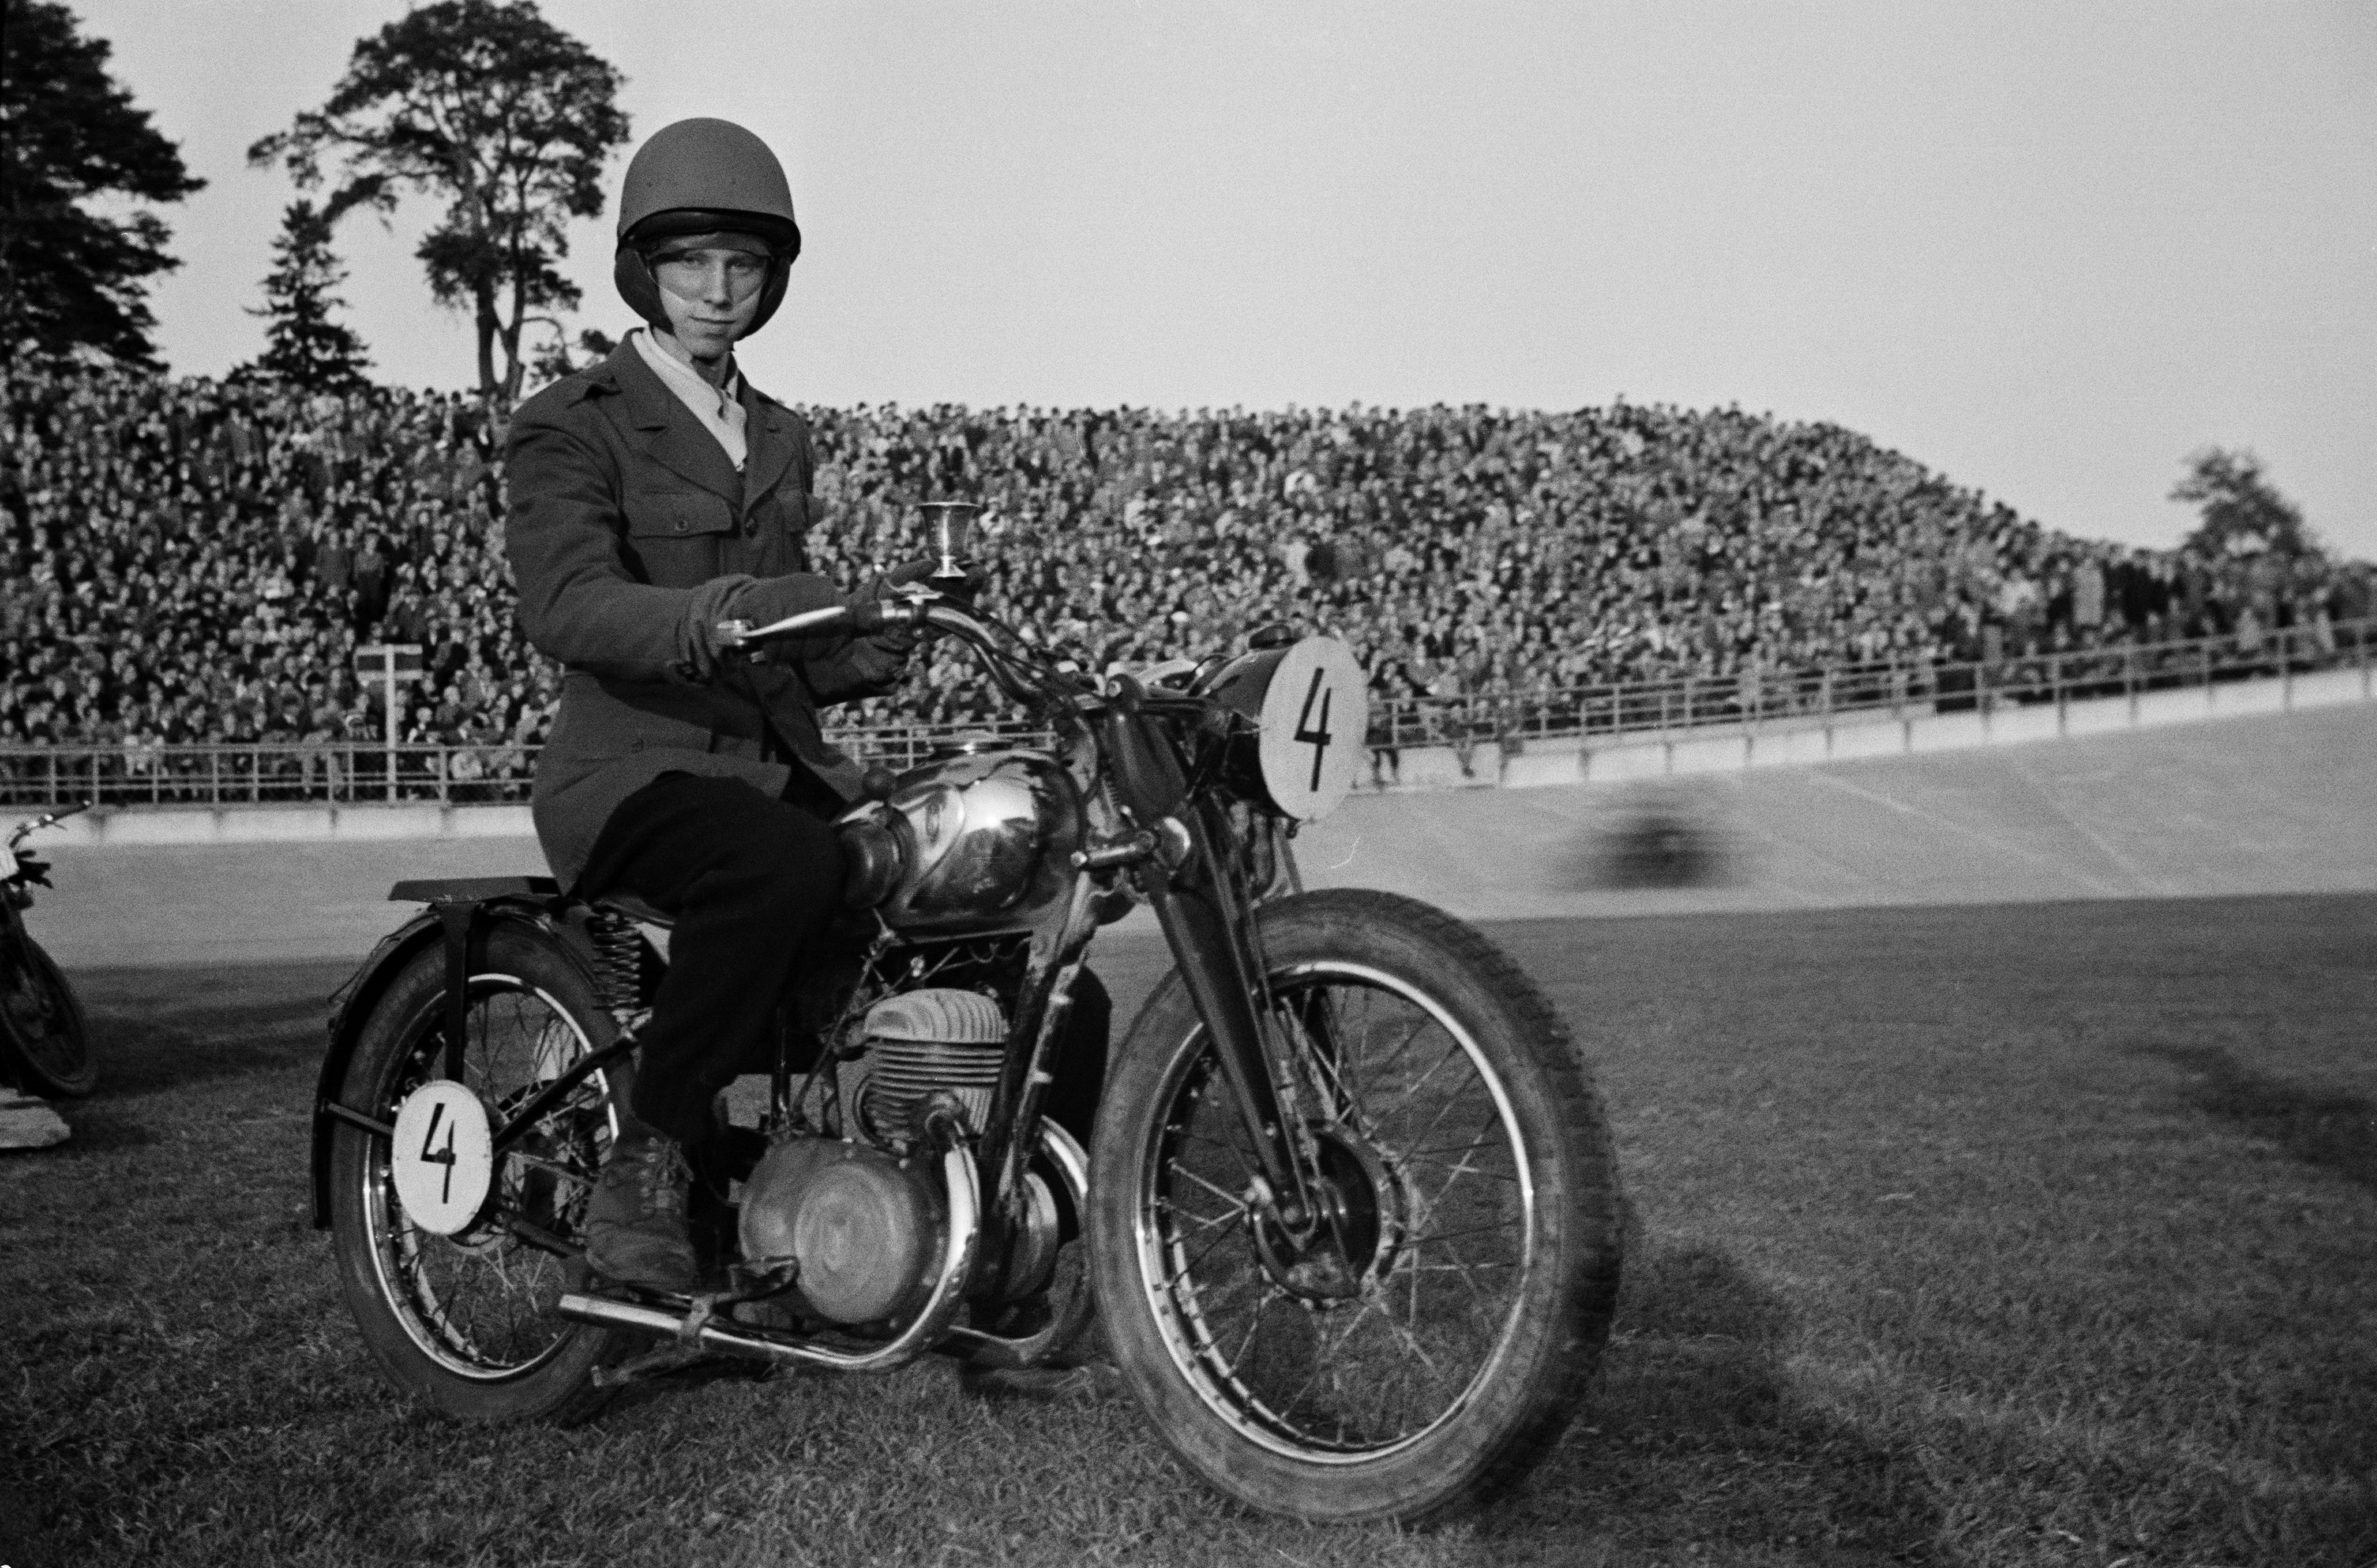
<point x="710" y="287"/>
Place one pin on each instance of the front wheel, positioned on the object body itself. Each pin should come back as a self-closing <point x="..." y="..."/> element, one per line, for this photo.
<point x="465" y="1320"/>
<point x="1422" y="1343"/>
<point x="41" y="1024"/>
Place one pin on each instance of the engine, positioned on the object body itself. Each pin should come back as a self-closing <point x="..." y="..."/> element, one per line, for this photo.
<point x="921" y="1041"/>
<point x="864" y="1222"/>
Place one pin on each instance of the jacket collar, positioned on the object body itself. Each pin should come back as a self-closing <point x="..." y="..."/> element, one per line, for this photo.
<point x="671" y="437"/>
<point x="665" y="428"/>
<point x="772" y="437"/>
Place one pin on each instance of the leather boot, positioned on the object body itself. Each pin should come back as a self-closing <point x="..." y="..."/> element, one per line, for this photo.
<point x="636" y="1231"/>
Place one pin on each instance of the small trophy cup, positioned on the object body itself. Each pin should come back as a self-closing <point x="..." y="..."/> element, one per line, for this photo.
<point x="952" y="525"/>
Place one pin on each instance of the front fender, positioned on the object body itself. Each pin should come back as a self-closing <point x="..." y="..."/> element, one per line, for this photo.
<point x="351" y="1005"/>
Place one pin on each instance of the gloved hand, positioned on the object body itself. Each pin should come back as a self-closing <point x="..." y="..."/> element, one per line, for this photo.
<point x="875" y="659"/>
<point x="765" y="599"/>
<point x="756" y="600"/>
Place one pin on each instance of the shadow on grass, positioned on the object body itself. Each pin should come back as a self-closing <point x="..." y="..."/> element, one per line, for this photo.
<point x="144" y="1051"/>
<point x="100" y="1129"/>
<point x="1692" y="1440"/>
<point x="2333" y="1132"/>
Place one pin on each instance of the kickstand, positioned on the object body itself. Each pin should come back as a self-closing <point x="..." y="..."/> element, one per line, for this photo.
<point x="659" y="1361"/>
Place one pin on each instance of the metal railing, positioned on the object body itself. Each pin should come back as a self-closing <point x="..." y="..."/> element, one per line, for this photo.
<point x="353" y="771"/>
<point x="1890" y="688"/>
<point x="132" y="774"/>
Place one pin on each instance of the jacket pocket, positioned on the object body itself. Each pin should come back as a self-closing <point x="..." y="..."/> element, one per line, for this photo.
<point x="677" y="535"/>
<point x="669" y="514"/>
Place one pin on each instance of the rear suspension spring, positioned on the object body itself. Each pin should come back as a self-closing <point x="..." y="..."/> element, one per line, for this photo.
<point x="619" y="964"/>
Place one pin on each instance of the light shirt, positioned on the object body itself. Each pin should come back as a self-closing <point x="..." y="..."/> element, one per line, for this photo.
<point x="718" y="408"/>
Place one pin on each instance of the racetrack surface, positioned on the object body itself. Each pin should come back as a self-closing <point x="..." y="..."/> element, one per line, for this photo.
<point x="2274" y="804"/>
<point x="1969" y="1234"/>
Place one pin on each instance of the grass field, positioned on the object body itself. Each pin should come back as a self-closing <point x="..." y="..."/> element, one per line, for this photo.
<point x="1974" y="1236"/>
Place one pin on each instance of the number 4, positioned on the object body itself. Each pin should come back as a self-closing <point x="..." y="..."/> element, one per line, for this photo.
<point x="1316" y="736"/>
<point x="444" y="1156"/>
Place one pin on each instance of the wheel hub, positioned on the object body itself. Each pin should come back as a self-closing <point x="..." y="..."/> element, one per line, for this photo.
<point x="1355" y="1231"/>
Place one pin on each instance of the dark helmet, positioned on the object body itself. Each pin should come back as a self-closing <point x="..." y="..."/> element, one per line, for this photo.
<point x="701" y="177"/>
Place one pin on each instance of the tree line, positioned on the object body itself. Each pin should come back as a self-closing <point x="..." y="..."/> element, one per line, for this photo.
<point x="485" y="106"/>
<point x="481" y="105"/>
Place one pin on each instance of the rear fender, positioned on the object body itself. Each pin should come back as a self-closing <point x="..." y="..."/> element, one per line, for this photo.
<point x="351" y="1003"/>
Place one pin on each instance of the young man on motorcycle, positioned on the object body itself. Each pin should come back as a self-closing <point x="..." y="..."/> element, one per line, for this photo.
<point x="653" y="497"/>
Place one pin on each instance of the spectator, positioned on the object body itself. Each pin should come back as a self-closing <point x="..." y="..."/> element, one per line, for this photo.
<point x="197" y="560"/>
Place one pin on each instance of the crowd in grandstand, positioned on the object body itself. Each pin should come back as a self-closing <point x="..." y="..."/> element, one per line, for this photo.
<point x="190" y="560"/>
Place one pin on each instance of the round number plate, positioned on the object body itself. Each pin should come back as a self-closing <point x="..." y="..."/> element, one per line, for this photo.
<point x="443" y="1156"/>
<point x="1316" y="715"/>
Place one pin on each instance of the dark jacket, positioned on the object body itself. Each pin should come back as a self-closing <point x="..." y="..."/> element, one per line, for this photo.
<point x="629" y="530"/>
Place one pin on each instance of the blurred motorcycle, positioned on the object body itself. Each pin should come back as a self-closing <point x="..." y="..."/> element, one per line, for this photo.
<point x="1348" y="1223"/>
<point x="44" y="1044"/>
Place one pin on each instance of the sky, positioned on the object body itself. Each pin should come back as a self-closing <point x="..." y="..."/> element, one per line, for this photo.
<point x="2046" y="249"/>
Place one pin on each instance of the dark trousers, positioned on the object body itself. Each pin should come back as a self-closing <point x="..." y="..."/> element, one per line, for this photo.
<point x="748" y="880"/>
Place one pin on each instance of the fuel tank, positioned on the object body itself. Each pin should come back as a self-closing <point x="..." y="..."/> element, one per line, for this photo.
<point x="972" y="843"/>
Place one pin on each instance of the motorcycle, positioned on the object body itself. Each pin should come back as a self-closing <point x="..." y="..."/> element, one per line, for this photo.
<point x="44" y="1043"/>
<point x="1347" y="1223"/>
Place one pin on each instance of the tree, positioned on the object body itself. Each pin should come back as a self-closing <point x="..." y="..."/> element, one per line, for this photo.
<point x="2243" y="513"/>
<point x="486" y="104"/>
<point x="558" y="358"/>
<point x="69" y="277"/>
<point x="303" y="345"/>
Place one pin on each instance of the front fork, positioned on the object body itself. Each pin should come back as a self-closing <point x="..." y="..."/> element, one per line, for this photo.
<point x="1208" y="922"/>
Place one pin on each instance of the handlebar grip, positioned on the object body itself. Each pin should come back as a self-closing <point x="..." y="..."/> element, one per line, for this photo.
<point x="866" y="616"/>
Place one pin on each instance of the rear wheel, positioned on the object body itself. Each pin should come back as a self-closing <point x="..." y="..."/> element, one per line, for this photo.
<point x="466" y="1320"/>
<point x="1424" y="1341"/>
<point x="42" y="1024"/>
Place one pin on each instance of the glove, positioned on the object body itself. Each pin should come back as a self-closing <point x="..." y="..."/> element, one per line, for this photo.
<point x="757" y="600"/>
<point x="767" y="599"/>
<point x="876" y="657"/>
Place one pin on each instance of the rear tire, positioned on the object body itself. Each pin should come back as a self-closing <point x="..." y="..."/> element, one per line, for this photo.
<point x="41" y="1026"/>
<point x="466" y="1323"/>
<point x="1430" y="1347"/>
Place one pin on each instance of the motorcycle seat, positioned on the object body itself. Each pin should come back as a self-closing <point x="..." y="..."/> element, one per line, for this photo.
<point x="633" y="908"/>
<point x="471" y="890"/>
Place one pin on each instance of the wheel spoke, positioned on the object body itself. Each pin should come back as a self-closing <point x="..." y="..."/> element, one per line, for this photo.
<point x="479" y="1303"/>
<point x="1369" y="1370"/>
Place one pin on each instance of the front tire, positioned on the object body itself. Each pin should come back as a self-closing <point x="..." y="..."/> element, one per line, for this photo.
<point x="42" y="1024"/>
<point x="1426" y="1349"/>
<point x="466" y="1322"/>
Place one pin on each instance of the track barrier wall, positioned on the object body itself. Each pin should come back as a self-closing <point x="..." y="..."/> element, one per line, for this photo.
<point x="328" y="795"/>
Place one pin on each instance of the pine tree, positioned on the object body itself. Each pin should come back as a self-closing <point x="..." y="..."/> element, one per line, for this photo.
<point x="72" y="279"/>
<point x="303" y="345"/>
<point x="489" y="106"/>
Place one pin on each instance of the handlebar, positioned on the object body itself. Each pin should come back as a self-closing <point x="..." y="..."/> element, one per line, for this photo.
<point x="1023" y="672"/>
<point x="38" y="823"/>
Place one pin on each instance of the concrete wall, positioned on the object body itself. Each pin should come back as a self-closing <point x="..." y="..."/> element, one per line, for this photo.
<point x="1799" y="743"/>
<point x="2271" y="803"/>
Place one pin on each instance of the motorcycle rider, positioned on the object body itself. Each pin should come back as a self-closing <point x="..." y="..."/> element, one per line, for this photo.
<point x="652" y="496"/>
